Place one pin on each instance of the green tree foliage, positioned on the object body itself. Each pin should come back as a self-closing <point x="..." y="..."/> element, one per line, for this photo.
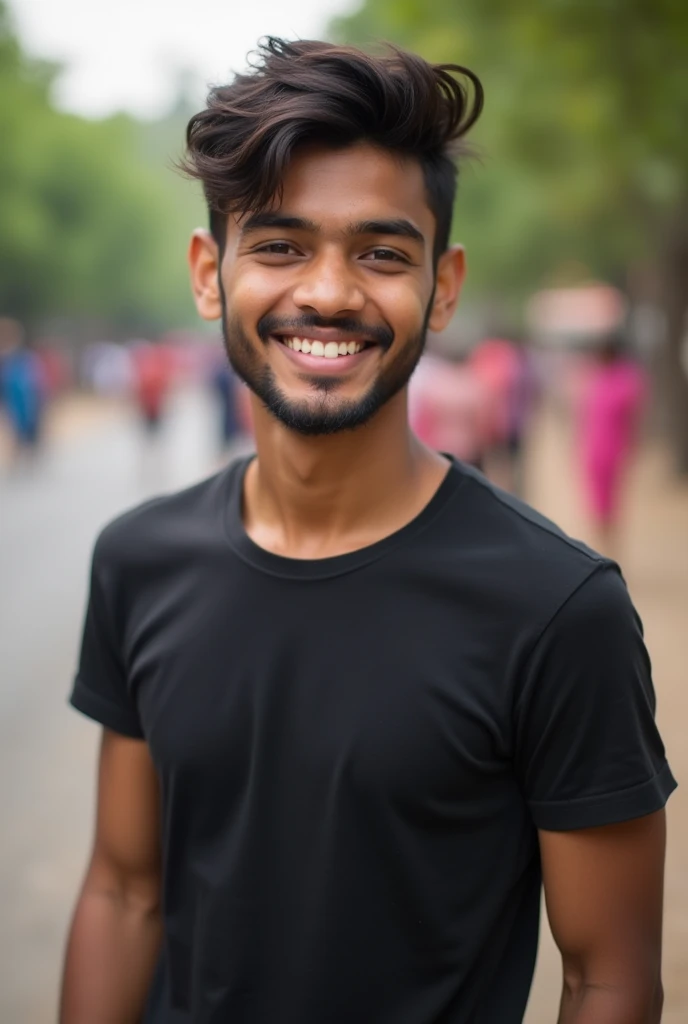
<point x="92" y="227"/>
<point x="584" y="142"/>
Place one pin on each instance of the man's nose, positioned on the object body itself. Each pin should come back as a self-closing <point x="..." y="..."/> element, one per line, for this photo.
<point x="329" y="286"/>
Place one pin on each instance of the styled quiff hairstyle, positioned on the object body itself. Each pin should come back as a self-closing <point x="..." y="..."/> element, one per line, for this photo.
<point x="303" y="92"/>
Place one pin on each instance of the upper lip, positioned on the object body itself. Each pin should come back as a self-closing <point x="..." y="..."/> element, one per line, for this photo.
<point x="324" y="334"/>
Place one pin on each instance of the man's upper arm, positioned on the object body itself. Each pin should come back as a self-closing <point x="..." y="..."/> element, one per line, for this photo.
<point x="604" y="894"/>
<point x="588" y="752"/>
<point x="126" y="852"/>
<point x="592" y="768"/>
<point x="102" y="686"/>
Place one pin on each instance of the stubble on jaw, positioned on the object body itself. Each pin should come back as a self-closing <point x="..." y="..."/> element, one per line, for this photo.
<point x="320" y="414"/>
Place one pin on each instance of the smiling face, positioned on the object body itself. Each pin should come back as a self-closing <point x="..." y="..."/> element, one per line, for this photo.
<point x="326" y="298"/>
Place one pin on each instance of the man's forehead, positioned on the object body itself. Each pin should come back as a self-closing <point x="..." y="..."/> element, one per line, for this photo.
<point x="362" y="183"/>
<point x="359" y="170"/>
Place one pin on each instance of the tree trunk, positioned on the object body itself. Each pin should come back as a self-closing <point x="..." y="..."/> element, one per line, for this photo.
<point x="675" y="375"/>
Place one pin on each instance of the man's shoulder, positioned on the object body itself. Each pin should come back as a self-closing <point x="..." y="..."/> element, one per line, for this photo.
<point x="508" y="518"/>
<point x="165" y="523"/>
<point x="504" y="543"/>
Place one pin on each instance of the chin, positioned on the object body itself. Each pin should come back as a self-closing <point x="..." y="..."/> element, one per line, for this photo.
<point x="320" y="414"/>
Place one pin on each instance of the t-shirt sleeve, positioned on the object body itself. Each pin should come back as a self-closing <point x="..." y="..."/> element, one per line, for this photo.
<point x="588" y="751"/>
<point x="101" y="688"/>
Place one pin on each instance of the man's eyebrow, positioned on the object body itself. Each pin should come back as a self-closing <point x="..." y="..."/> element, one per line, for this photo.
<point x="400" y="227"/>
<point x="268" y="219"/>
<point x="396" y="227"/>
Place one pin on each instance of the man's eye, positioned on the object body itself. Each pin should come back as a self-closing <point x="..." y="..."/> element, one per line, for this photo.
<point x="386" y="255"/>
<point x="277" y="248"/>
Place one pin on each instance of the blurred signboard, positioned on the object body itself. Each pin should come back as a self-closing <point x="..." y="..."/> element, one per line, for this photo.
<point x="561" y="316"/>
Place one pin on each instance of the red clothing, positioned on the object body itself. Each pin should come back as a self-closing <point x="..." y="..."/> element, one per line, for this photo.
<point x="152" y="377"/>
<point x="496" y="362"/>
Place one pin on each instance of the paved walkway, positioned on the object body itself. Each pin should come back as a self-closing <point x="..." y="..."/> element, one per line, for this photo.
<point x="95" y="467"/>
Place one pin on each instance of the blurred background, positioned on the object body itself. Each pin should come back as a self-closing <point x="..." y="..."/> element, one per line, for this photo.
<point x="565" y="375"/>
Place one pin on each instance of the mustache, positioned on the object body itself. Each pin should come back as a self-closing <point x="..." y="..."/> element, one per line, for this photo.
<point x="270" y="324"/>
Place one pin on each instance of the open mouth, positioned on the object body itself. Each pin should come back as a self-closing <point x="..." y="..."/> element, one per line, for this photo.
<point x="323" y="349"/>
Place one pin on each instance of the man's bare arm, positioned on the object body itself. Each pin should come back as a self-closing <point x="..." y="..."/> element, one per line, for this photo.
<point x="115" y="934"/>
<point x="604" y="892"/>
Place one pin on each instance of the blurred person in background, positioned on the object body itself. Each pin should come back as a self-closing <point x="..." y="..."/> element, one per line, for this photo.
<point x="449" y="408"/>
<point x="106" y="367"/>
<point x="223" y="387"/>
<point x="23" y="389"/>
<point x="611" y="400"/>
<point x="506" y="372"/>
<point x="56" y="368"/>
<point x="151" y="382"/>
<point x="356" y="701"/>
<point x="522" y="398"/>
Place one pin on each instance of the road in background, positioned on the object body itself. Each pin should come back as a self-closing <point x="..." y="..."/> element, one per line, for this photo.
<point x="50" y="516"/>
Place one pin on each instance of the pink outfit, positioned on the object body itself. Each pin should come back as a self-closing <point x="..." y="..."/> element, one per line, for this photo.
<point x="449" y="408"/>
<point x="500" y="368"/>
<point x="610" y="408"/>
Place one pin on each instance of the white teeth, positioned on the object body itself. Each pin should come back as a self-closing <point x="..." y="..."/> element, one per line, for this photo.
<point x="327" y="350"/>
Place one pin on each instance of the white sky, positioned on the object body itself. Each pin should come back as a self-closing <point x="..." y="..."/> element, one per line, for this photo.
<point x="127" y="54"/>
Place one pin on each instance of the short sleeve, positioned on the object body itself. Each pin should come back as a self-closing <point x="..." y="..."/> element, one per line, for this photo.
<point x="588" y="751"/>
<point x="100" y="689"/>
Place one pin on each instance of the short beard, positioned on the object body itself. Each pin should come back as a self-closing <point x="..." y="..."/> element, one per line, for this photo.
<point x="321" y="415"/>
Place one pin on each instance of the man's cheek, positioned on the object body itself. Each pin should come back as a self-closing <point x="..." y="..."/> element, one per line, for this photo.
<point x="405" y="305"/>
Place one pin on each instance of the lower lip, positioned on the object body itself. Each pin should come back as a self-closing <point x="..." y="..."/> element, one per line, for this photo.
<point x="321" y="364"/>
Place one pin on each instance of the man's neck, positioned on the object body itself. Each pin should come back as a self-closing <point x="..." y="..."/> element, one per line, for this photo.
<point x="316" y="497"/>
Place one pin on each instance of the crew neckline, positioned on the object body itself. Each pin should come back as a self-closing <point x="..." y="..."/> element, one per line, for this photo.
<point x="336" y="565"/>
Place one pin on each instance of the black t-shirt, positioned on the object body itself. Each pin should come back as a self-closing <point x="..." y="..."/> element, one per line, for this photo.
<point x="355" y="753"/>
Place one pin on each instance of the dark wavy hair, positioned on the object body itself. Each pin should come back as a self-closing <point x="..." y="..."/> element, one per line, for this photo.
<point x="313" y="92"/>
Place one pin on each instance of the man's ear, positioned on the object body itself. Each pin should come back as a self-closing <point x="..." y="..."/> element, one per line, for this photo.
<point x="204" y="264"/>
<point x="451" y="271"/>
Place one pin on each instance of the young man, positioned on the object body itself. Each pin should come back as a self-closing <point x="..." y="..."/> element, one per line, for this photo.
<point x="357" y="702"/>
